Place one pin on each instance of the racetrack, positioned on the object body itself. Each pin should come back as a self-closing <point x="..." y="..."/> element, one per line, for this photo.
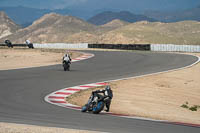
<point x="23" y="91"/>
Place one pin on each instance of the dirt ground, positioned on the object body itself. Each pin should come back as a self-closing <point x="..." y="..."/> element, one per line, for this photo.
<point x="158" y="96"/>
<point x="20" y="128"/>
<point x="23" y="57"/>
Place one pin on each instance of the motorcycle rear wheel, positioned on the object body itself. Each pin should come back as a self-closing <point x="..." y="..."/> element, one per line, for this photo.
<point x="98" y="108"/>
<point x="84" y="108"/>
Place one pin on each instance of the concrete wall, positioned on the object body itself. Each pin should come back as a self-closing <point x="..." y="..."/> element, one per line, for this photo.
<point x="61" y="45"/>
<point x="173" y="47"/>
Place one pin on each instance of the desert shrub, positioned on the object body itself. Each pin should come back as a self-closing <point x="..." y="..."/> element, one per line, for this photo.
<point x="185" y="105"/>
<point x="192" y="108"/>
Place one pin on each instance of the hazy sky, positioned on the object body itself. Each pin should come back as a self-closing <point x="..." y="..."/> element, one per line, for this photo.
<point x="112" y="4"/>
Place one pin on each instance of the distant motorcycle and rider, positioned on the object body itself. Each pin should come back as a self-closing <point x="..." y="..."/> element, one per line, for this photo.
<point x="9" y="43"/>
<point x="29" y="44"/>
<point x="66" y="61"/>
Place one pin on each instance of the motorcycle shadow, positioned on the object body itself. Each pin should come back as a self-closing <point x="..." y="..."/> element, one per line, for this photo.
<point x="103" y="113"/>
<point x="71" y="70"/>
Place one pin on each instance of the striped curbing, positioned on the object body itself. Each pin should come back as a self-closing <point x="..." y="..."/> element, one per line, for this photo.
<point x="83" y="57"/>
<point x="59" y="97"/>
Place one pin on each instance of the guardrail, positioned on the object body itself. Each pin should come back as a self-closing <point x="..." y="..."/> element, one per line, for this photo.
<point x="52" y="45"/>
<point x="61" y="45"/>
<point x="175" y="48"/>
<point x="121" y="46"/>
<point x="15" y="45"/>
<point x="144" y="47"/>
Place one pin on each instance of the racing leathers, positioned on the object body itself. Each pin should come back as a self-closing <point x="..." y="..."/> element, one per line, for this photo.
<point x="67" y="58"/>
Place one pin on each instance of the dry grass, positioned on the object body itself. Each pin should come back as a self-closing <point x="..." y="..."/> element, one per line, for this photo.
<point x="185" y="32"/>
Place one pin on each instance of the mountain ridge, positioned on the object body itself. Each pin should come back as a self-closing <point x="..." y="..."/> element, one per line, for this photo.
<point x="175" y="16"/>
<point x="52" y="27"/>
<point x="184" y="32"/>
<point x="107" y="16"/>
<point x="55" y="28"/>
<point x="7" y="26"/>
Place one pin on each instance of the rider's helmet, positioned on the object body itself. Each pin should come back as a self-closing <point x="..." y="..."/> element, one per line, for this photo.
<point x="65" y="55"/>
<point x="108" y="91"/>
<point x="107" y="87"/>
<point x="7" y="41"/>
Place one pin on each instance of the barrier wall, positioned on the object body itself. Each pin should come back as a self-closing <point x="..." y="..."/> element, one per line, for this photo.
<point x="175" y="48"/>
<point x="121" y="46"/>
<point x="16" y="45"/>
<point x="61" y="45"/>
<point x="148" y="47"/>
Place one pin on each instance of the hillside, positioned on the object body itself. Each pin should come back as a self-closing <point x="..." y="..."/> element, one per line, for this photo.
<point x="52" y="28"/>
<point x="7" y="26"/>
<point x="114" y="24"/>
<point x="105" y="17"/>
<point x="185" y="32"/>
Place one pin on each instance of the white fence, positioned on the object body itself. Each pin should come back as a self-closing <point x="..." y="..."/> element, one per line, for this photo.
<point x="173" y="47"/>
<point x="61" y="45"/>
<point x="154" y="47"/>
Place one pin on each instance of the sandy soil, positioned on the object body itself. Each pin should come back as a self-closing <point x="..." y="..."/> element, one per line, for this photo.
<point x="22" y="58"/>
<point x="20" y="128"/>
<point x="158" y="96"/>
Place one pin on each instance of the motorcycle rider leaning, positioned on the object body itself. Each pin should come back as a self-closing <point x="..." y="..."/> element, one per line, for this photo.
<point x="108" y="95"/>
<point x="27" y="42"/>
<point x="67" y="58"/>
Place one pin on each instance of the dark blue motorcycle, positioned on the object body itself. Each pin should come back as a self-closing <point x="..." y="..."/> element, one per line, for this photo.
<point x="95" y="104"/>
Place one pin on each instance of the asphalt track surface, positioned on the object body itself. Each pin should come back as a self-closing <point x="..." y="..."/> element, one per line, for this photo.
<point x="22" y="92"/>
